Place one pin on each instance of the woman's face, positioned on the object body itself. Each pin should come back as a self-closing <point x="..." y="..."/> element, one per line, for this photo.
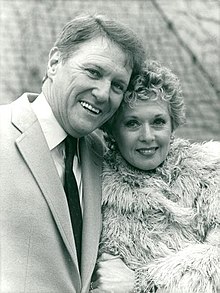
<point x="143" y="133"/>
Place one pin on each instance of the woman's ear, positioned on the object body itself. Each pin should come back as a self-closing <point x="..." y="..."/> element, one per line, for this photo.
<point x="54" y="59"/>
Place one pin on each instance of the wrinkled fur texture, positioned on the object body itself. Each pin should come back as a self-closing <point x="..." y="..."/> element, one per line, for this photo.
<point x="166" y="221"/>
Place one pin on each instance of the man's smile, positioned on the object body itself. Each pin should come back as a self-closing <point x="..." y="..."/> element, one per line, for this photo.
<point x="89" y="107"/>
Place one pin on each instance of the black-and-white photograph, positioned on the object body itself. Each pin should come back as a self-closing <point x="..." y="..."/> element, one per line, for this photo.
<point x="109" y="146"/>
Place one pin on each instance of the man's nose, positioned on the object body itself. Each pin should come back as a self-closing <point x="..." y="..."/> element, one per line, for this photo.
<point x="101" y="90"/>
<point x="147" y="133"/>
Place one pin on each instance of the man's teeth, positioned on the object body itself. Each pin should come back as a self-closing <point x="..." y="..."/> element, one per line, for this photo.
<point x="89" y="107"/>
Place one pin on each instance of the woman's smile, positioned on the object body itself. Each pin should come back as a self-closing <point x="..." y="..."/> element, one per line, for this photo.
<point x="147" y="151"/>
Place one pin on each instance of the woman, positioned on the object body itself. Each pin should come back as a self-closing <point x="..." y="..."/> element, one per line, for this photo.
<point x="161" y="195"/>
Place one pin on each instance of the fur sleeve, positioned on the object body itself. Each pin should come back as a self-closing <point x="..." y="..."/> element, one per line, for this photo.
<point x="197" y="268"/>
<point x="208" y="200"/>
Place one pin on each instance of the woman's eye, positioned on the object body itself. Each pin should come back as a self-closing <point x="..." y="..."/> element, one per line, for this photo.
<point x="159" y="122"/>
<point x="132" y="124"/>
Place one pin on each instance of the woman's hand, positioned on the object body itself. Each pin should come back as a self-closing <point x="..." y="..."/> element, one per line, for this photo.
<point x="112" y="275"/>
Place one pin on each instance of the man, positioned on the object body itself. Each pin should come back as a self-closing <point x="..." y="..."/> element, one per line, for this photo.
<point x="88" y="71"/>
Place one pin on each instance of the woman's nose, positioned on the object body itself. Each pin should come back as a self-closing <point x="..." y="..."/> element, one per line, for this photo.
<point x="147" y="133"/>
<point x="101" y="90"/>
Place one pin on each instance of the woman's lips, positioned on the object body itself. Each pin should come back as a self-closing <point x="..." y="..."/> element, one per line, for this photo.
<point x="147" y="151"/>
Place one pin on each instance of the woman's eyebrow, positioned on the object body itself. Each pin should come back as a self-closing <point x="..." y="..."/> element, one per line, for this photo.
<point x="160" y="115"/>
<point x="130" y="116"/>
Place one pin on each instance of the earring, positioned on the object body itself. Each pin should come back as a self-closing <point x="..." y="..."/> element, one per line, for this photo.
<point x="172" y="138"/>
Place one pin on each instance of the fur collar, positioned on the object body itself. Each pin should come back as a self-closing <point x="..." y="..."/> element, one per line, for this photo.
<point x="158" y="220"/>
<point x="188" y="170"/>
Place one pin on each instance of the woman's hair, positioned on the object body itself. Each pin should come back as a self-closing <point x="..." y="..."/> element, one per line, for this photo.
<point x="86" y="27"/>
<point x="155" y="82"/>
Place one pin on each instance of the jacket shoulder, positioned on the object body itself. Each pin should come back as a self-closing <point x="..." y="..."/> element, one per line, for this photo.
<point x="96" y="142"/>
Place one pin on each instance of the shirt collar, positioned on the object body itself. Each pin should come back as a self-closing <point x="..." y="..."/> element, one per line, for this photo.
<point x="52" y="130"/>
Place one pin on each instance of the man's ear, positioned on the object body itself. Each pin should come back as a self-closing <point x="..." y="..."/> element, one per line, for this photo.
<point x="54" y="59"/>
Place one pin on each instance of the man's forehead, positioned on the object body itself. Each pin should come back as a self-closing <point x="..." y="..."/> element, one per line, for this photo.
<point x="102" y="44"/>
<point x="103" y="52"/>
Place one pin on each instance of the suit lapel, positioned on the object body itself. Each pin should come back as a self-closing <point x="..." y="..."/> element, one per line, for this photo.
<point x="34" y="149"/>
<point x="91" y="171"/>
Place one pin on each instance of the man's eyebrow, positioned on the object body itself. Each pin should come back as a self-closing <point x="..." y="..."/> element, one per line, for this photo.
<point x="120" y="80"/>
<point x="93" y="65"/>
<point x="123" y="81"/>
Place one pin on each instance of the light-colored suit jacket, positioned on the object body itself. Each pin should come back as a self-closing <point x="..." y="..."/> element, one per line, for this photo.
<point x="38" y="253"/>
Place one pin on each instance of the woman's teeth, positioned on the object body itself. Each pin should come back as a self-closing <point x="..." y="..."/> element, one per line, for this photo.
<point x="149" y="151"/>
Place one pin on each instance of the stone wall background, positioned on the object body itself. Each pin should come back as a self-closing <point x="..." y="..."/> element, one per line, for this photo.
<point x="182" y="34"/>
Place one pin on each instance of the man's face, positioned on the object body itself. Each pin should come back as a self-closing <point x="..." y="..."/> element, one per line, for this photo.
<point x="88" y="87"/>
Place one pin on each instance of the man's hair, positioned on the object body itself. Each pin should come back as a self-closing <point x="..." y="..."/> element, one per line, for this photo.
<point x="86" y="27"/>
<point x="155" y="82"/>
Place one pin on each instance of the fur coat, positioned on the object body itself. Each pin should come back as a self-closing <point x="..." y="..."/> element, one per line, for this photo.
<point x="166" y="222"/>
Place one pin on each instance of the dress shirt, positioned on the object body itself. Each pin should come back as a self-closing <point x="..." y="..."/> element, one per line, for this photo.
<point x="55" y="136"/>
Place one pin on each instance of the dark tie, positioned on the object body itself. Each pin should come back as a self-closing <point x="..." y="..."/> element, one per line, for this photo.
<point x="72" y="194"/>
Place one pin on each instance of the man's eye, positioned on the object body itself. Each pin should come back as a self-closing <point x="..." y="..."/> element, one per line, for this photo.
<point x="93" y="72"/>
<point x="118" y="87"/>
